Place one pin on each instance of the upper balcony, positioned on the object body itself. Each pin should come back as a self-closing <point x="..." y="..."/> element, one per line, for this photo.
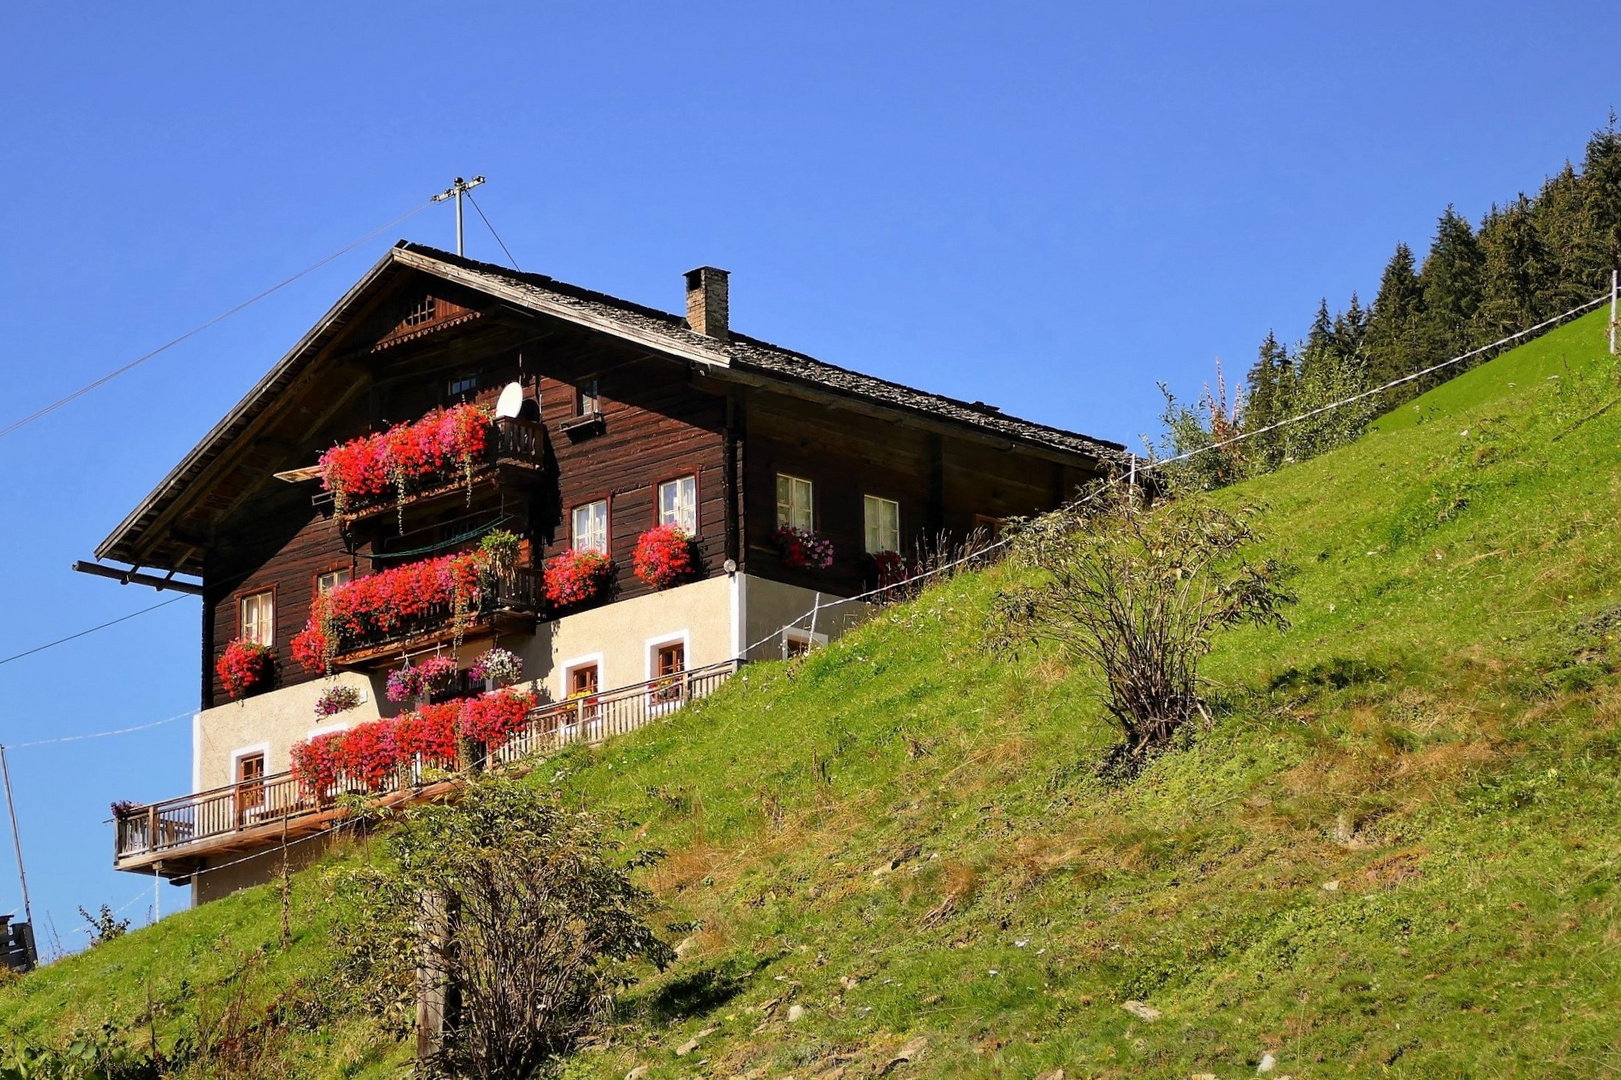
<point x="440" y="456"/>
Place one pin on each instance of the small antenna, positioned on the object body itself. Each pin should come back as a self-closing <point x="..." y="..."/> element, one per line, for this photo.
<point x="456" y="190"/>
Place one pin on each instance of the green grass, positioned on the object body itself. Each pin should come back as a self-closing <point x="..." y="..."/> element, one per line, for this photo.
<point x="1392" y="854"/>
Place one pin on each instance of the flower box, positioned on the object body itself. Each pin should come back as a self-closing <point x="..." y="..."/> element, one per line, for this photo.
<point x="367" y="756"/>
<point x="576" y="577"/>
<point x="244" y="666"/>
<point x="665" y="556"/>
<point x="386" y="604"/>
<point x="407" y="457"/>
<point x="802" y="549"/>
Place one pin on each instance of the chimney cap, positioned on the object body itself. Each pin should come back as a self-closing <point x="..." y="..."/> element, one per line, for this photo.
<point x="696" y="275"/>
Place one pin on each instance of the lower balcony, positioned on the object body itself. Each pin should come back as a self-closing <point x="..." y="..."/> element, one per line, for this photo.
<point x="180" y="837"/>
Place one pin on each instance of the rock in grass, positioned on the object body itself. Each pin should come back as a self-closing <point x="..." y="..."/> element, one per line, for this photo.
<point x="1268" y="1063"/>
<point x="637" y="1073"/>
<point x="795" y="1013"/>
<point x="1142" y="1010"/>
<point x="1051" y="1074"/>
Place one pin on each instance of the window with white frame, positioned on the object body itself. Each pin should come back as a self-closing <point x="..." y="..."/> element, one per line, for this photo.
<point x="883" y="524"/>
<point x="678" y="503"/>
<point x="591" y="527"/>
<point x="794" y="503"/>
<point x="328" y="580"/>
<point x="259" y="617"/>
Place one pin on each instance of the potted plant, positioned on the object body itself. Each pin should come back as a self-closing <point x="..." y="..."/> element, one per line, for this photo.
<point x="335" y="700"/>
<point x="417" y="682"/>
<point x="802" y="549"/>
<point x="244" y="666"/>
<point x="497" y="667"/>
<point x="665" y="556"/>
<point x="575" y="577"/>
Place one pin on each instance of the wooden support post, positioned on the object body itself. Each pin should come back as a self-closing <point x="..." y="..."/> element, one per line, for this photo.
<point x="437" y="999"/>
<point x="1613" y="297"/>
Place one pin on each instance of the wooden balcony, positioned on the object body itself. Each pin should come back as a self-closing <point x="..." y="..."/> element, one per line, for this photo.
<point x="179" y="837"/>
<point x="515" y="456"/>
<point x="513" y="600"/>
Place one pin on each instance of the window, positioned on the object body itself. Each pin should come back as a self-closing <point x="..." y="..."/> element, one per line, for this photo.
<point x="587" y="401"/>
<point x="883" y="524"/>
<point x="463" y="384"/>
<point x="423" y="312"/>
<point x="583" y="680"/>
<point x="259" y="617"/>
<point x="678" y="503"/>
<point x="990" y="526"/>
<point x="669" y="661"/>
<point x="591" y="527"/>
<point x="250" y="776"/>
<point x="794" y="502"/>
<point x="328" y="580"/>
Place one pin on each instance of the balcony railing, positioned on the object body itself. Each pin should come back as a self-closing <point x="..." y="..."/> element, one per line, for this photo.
<point x="517" y="445"/>
<point x="260" y="813"/>
<point x="509" y="602"/>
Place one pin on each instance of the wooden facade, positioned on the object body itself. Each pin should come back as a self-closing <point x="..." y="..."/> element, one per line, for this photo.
<point x="625" y="398"/>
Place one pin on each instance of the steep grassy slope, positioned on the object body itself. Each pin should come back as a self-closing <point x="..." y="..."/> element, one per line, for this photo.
<point x="1393" y="853"/>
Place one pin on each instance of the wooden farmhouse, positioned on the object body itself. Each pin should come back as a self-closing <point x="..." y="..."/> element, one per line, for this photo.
<point x="459" y="457"/>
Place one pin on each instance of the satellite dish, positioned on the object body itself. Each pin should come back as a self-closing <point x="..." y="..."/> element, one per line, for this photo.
<point x="510" y="401"/>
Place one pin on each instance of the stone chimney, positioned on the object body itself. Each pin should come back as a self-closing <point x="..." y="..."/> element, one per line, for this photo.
<point x="707" y="306"/>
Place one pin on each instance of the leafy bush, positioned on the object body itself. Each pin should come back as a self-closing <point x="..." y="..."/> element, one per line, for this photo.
<point x="512" y="903"/>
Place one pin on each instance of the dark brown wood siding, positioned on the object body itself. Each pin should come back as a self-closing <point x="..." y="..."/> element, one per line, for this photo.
<point x="943" y="483"/>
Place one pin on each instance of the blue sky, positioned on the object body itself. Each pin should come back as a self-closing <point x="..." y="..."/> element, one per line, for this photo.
<point x="1047" y="207"/>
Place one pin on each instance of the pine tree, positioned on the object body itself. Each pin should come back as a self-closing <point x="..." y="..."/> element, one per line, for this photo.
<point x="1601" y="198"/>
<point x="1450" y="278"/>
<point x="1516" y="272"/>
<point x="1566" y="232"/>
<point x="1391" y="343"/>
<point x="1350" y="330"/>
<point x="1270" y="383"/>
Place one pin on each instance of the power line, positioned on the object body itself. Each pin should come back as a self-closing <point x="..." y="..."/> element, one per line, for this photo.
<point x="493" y="233"/>
<point x="194" y="331"/>
<point x="188" y="714"/>
<point x="92" y="630"/>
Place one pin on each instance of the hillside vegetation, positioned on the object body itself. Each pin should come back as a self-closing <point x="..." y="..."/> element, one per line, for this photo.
<point x="1393" y="852"/>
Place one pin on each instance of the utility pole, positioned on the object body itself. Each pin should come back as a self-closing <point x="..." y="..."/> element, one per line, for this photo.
<point x="16" y="838"/>
<point x="456" y="190"/>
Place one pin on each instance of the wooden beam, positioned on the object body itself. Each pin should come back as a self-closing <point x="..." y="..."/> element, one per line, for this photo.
<point x="133" y="576"/>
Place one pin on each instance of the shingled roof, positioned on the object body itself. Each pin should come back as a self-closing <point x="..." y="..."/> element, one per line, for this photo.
<point x="751" y="354"/>
<point x="656" y="330"/>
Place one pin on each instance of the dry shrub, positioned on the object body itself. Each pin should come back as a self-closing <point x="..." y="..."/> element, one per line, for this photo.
<point x="1138" y="592"/>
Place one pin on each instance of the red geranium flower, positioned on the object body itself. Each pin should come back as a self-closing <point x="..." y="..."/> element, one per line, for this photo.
<point x="664" y="556"/>
<point x="492" y="719"/>
<point x="243" y="665"/>
<point x="573" y="577"/>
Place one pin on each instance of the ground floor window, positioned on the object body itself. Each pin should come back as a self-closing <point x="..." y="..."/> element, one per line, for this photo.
<point x="669" y="661"/>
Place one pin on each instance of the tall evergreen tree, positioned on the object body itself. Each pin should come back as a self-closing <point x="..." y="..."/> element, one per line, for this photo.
<point x="1450" y="278"/>
<point x="1392" y="339"/>
<point x="1270" y="382"/>
<point x="1516" y="272"/>
<point x="1601" y="198"/>
<point x="1350" y="328"/>
<point x="1566" y="231"/>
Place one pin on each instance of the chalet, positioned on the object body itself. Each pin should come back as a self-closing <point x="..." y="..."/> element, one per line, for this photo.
<point x="459" y="456"/>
